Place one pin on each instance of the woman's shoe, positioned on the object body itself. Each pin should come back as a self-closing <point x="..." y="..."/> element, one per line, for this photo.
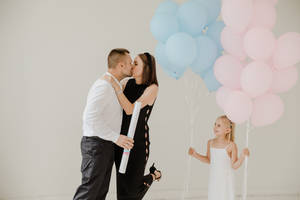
<point x="153" y="170"/>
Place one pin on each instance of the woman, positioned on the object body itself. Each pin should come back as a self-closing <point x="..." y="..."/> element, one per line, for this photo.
<point x="143" y="88"/>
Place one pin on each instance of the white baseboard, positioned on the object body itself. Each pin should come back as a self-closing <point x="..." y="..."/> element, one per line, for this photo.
<point x="172" y="195"/>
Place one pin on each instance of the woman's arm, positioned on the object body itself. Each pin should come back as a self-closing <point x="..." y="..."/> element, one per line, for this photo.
<point x="240" y="161"/>
<point x="205" y="159"/>
<point x="147" y="98"/>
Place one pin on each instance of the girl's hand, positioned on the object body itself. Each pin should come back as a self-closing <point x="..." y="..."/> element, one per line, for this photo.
<point x="191" y="151"/>
<point x="246" y="152"/>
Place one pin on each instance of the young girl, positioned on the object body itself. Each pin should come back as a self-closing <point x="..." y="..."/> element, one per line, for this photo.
<point x="222" y="157"/>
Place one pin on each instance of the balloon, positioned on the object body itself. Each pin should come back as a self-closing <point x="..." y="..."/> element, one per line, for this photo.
<point x="273" y="2"/>
<point x="228" y="71"/>
<point x="174" y="71"/>
<point x="232" y="42"/>
<point x="181" y="49"/>
<point x="259" y="43"/>
<point x="207" y="52"/>
<point x="256" y="78"/>
<point x="287" y="52"/>
<point x="222" y="96"/>
<point x="284" y="79"/>
<point x="237" y="14"/>
<point x="167" y="7"/>
<point x="160" y="55"/>
<point x="238" y="107"/>
<point x="192" y="17"/>
<point x="214" y="32"/>
<point x="213" y="8"/>
<point x="203" y="73"/>
<point x="162" y="26"/>
<point x="211" y="82"/>
<point x="264" y="15"/>
<point x="266" y="110"/>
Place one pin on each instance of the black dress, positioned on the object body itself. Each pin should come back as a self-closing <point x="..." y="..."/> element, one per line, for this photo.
<point x="133" y="184"/>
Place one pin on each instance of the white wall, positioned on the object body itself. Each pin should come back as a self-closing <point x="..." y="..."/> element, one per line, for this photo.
<point x="52" y="51"/>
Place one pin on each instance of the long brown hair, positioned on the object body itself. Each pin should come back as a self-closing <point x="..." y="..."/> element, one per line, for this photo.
<point x="149" y="71"/>
<point x="229" y="136"/>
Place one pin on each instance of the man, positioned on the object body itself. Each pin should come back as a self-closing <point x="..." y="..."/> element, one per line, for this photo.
<point x="102" y="120"/>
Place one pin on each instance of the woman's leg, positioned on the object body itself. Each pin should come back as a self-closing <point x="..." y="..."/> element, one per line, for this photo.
<point x="148" y="180"/>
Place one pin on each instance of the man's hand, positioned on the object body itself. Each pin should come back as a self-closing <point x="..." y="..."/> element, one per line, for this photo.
<point x="125" y="142"/>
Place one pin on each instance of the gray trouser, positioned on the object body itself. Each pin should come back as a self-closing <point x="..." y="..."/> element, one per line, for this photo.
<point x="96" y="167"/>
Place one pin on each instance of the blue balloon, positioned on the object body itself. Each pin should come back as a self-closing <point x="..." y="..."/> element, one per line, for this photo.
<point x="167" y="7"/>
<point x="175" y="74"/>
<point x="192" y="17"/>
<point x="211" y="82"/>
<point x="181" y="49"/>
<point x="213" y="9"/>
<point x="207" y="52"/>
<point x="174" y="71"/>
<point x="162" y="26"/>
<point x="202" y="73"/>
<point x="214" y="31"/>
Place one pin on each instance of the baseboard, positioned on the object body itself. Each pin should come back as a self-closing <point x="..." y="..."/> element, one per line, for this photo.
<point x="173" y="195"/>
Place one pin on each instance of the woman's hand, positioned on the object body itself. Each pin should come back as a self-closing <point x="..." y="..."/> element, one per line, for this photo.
<point x="107" y="78"/>
<point x="246" y="152"/>
<point x="191" y="151"/>
<point x="115" y="85"/>
<point x="112" y="81"/>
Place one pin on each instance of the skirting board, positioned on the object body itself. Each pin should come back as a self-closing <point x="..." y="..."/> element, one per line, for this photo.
<point x="172" y="195"/>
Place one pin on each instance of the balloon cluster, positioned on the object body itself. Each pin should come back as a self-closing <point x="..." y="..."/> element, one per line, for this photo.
<point x="189" y="36"/>
<point x="257" y="66"/>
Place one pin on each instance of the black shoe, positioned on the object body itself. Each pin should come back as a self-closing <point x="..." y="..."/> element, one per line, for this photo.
<point x="152" y="171"/>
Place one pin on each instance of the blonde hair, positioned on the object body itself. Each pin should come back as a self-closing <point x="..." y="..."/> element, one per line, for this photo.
<point x="230" y="136"/>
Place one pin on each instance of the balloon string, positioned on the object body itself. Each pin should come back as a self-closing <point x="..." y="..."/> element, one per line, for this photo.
<point x="186" y="181"/>
<point x="244" y="195"/>
<point x="191" y="100"/>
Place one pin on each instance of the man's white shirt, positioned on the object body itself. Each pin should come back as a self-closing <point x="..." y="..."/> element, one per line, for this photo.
<point x="102" y="115"/>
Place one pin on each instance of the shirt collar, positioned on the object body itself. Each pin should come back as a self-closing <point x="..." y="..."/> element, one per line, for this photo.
<point x="109" y="74"/>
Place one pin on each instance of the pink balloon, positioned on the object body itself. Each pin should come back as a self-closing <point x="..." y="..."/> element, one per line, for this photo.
<point x="264" y="15"/>
<point x="237" y="14"/>
<point x="222" y="95"/>
<point x="238" y="107"/>
<point x="273" y="2"/>
<point x="259" y="43"/>
<point x="228" y="71"/>
<point x="266" y="110"/>
<point x="287" y="52"/>
<point x="256" y="78"/>
<point x="284" y="79"/>
<point x="232" y="42"/>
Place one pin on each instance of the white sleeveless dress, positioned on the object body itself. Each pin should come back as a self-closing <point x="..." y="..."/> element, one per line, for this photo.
<point x="221" y="175"/>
